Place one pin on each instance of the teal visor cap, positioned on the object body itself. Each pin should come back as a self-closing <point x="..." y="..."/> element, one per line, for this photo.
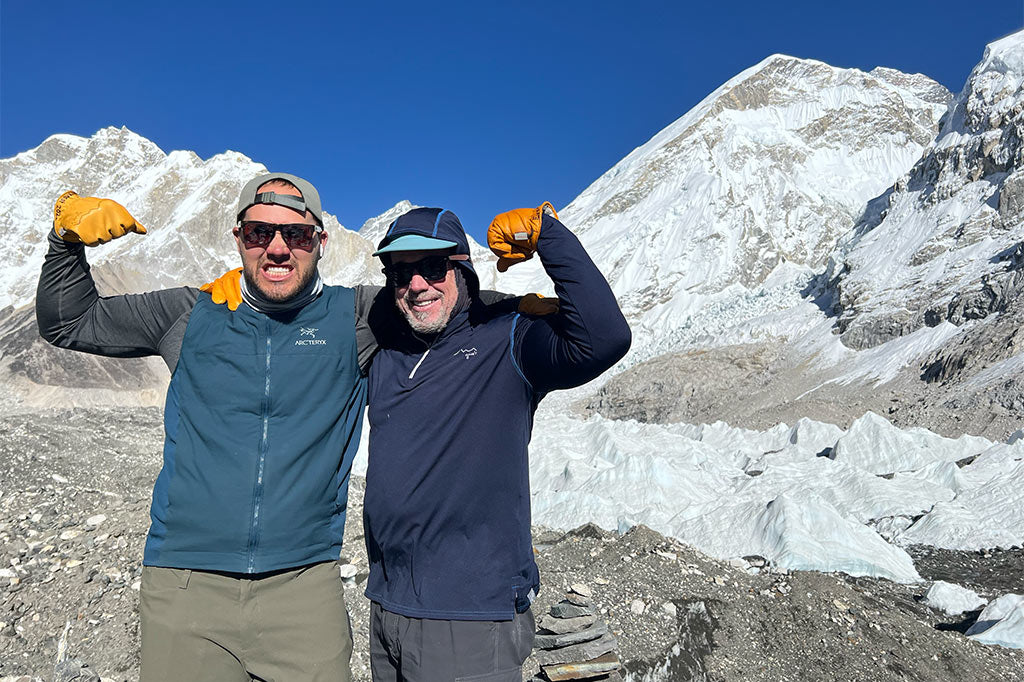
<point x="415" y="242"/>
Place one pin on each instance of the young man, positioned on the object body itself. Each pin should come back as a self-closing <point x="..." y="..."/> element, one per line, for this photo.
<point x="262" y="422"/>
<point x="453" y="389"/>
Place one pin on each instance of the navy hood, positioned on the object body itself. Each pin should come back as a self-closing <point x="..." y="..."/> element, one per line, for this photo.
<point x="438" y="223"/>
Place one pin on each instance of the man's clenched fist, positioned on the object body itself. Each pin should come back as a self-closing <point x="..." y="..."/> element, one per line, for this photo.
<point x="512" y="235"/>
<point x="91" y="220"/>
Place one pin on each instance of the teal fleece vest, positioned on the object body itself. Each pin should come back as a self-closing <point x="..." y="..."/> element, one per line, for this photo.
<point x="262" y="422"/>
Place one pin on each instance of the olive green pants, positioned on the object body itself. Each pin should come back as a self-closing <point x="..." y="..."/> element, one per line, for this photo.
<point x="289" y="626"/>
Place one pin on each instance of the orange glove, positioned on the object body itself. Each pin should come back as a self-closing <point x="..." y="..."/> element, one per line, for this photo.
<point x="226" y="289"/>
<point x="512" y="235"/>
<point x="91" y="220"/>
<point x="535" y="304"/>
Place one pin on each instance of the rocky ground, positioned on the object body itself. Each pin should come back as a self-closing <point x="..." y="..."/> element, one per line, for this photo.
<point x="781" y="383"/>
<point x="74" y="499"/>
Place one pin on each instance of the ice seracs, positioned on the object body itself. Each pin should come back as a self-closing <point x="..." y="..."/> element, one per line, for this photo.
<point x="1001" y="622"/>
<point x="779" y="493"/>
<point x="952" y="599"/>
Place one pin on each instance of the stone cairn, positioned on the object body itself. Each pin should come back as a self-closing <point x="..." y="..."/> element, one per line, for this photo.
<point x="573" y="644"/>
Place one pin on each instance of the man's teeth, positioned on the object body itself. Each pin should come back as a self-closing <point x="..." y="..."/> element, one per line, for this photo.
<point x="277" y="270"/>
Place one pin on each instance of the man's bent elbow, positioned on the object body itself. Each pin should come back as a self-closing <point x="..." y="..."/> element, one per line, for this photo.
<point x="47" y="332"/>
<point x="51" y="331"/>
<point x="615" y="339"/>
<point x="613" y="345"/>
<point x="621" y="342"/>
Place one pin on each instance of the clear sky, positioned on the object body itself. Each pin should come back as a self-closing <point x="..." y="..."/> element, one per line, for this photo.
<point x="475" y="106"/>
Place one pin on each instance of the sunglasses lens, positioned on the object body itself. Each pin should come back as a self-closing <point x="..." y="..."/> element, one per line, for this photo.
<point x="259" y="235"/>
<point x="431" y="268"/>
<point x="297" y="236"/>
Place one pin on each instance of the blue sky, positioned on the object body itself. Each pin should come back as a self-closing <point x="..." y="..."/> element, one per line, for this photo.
<point x="475" y="106"/>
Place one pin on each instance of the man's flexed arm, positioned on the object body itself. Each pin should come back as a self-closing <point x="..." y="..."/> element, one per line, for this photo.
<point x="69" y="311"/>
<point x="589" y="333"/>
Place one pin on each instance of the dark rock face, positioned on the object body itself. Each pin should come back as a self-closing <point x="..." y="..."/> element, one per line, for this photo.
<point x="978" y="348"/>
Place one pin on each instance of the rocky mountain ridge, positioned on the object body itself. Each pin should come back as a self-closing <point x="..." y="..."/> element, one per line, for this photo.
<point x="945" y="240"/>
<point x="187" y="205"/>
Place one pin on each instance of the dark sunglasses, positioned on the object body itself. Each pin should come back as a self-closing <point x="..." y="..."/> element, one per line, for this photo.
<point x="431" y="268"/>
<point x="295" y="235"/>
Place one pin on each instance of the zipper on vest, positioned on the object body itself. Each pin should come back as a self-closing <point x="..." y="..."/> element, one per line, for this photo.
<point x="258" y="492"/>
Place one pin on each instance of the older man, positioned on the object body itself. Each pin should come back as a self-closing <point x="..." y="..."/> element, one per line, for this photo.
<point x="453" y="389"/>
<point x="262" y="422"/>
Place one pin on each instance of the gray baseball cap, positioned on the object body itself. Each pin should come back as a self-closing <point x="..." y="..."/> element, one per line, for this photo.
<point x="309" y="201"/>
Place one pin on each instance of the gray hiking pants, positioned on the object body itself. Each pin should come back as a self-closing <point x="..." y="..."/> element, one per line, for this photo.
<point x="406" y="649"/>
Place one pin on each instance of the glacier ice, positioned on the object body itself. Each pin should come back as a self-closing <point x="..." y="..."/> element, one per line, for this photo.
<point x="798" y="509"/>
<point x="1001" y="622"/>
<point x="952" y="599"/>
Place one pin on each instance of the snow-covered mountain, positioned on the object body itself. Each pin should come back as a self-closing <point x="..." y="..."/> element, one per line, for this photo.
<point x="187" y="205"/>
<point x="923" y="286"/>
<point x="697" y="228"/>
<point x="944" y="243"/>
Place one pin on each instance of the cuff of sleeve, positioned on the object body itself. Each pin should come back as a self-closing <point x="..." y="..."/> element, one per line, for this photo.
<point x="58" y="206"/>
<point x="55" y="240"/>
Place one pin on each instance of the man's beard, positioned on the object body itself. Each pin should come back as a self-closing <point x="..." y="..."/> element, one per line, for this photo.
<point x="277" y="296"/>
<point x="423" y="326"/>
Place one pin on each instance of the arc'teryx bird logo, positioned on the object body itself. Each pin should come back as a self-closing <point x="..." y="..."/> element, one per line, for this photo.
<point x="312" y="340"/>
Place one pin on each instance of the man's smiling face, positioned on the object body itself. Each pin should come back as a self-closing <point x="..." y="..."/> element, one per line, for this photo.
<point x="426" y="305"/>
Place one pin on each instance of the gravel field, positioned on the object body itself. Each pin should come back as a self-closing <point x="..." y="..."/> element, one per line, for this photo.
<point x="74" y="511"/>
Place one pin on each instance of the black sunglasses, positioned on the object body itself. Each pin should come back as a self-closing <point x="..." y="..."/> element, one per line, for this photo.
<point x="431" y="268"/>
<point x="295" y="235"/>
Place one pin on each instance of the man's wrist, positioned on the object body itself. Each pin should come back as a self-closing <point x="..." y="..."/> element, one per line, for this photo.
<point x="549" y="226"/>
<point x="58" y="207"/>
<point x="55" y="240"/>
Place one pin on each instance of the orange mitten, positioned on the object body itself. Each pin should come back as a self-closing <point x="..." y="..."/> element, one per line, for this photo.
<point x="91" y="220"/>
<point x="226" y="289"/>
<point x="513" y="235"/>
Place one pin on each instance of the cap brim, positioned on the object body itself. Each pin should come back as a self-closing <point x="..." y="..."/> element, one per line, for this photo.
<point x="415" y="242"/>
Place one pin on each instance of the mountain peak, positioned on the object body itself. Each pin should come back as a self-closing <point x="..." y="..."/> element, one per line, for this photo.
<point x="1005" y="55"/>
<point x="374" y="228"/>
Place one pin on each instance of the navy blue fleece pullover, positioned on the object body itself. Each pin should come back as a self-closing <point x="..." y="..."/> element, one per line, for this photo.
<point x="447" y="505"/>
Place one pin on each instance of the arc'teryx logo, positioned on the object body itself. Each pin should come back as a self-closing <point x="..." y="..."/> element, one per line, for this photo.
<point x="466" y="352"/>
<point x="312" y="340"/>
